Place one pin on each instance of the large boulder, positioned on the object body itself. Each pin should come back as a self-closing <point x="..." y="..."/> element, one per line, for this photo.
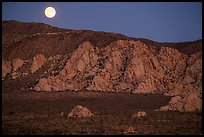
<point x="42" y="85"/>
<point x="135" y="71"/>
<point x="38" y="61"/>
<point x="17" y="63"/>
<point x="192" y="103"/>
<point x="115" y="60"/>
<point x="80" y="111"/>
<point x="189" y="103"/>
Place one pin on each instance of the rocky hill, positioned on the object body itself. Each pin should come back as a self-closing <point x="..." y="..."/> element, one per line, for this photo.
<point x="40" y="57"/>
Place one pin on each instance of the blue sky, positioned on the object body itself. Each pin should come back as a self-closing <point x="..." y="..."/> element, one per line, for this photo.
<point x="158" y="21"/>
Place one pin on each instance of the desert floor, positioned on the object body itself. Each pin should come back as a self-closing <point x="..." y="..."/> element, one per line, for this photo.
<point x="31" y="112"/>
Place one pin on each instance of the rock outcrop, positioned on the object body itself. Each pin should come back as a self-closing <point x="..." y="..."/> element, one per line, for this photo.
<point x="38" y="61"/>
<point x="139" y="114"/>
<point x="98" y="61"/>
<point x="74" y="74"/>
<point x="11" y="67"/>
<point x="129" y="66"/>
<point x="188" y="103"/>
<point x="17" y="63"/>
<point x="123" y="66"/>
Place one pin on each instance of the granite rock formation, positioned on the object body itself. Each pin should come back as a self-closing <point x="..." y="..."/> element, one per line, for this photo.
<point x="62" y="60"/>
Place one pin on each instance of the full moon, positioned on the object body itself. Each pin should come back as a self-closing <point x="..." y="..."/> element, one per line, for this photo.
<point x="50" y="12"/>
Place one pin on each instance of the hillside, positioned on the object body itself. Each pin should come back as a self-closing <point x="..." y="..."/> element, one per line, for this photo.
<point x="51" y="41"/>
<point x="39" y="57"/>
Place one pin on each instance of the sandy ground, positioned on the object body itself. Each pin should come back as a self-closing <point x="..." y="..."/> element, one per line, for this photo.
<point x="30" y="112"/>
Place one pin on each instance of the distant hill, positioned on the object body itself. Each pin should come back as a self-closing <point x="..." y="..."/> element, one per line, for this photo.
<point x="25" y="40"/>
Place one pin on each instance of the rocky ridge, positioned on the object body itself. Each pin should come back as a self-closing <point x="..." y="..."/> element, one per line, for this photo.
<point x="127" y="65"/>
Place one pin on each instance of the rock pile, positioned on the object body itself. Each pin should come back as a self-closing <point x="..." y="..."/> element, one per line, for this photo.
<point x="188" y="103"/>
<point x="9" y="67"/>
<point x="122" y="66"/>
<point x="139" y="114"/>
<point x="129" y="66"/>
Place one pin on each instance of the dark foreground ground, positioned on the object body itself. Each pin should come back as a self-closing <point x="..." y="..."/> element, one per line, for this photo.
<point x="29" y="112"/>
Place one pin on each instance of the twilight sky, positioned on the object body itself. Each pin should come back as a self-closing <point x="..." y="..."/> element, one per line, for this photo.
<point x="158" y="21"/>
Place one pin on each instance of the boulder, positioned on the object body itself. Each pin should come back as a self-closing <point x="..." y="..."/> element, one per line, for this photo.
<point x="189" y="103"/>
<point x="42" y="85"/>
<point x="155" y="61"/>
<point x="17" y="63"/>
<point x="67" y="73"/>
<point x="192" y="103"/>
<point x="135" y="71"/>
<point x="139" y="114"/>
<point x="38" y="61"/>
<point x="116" y="60"/>
<point x="173" y="105"/>
<point x="81" y="66"/>
<point x="80" y="111"/>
